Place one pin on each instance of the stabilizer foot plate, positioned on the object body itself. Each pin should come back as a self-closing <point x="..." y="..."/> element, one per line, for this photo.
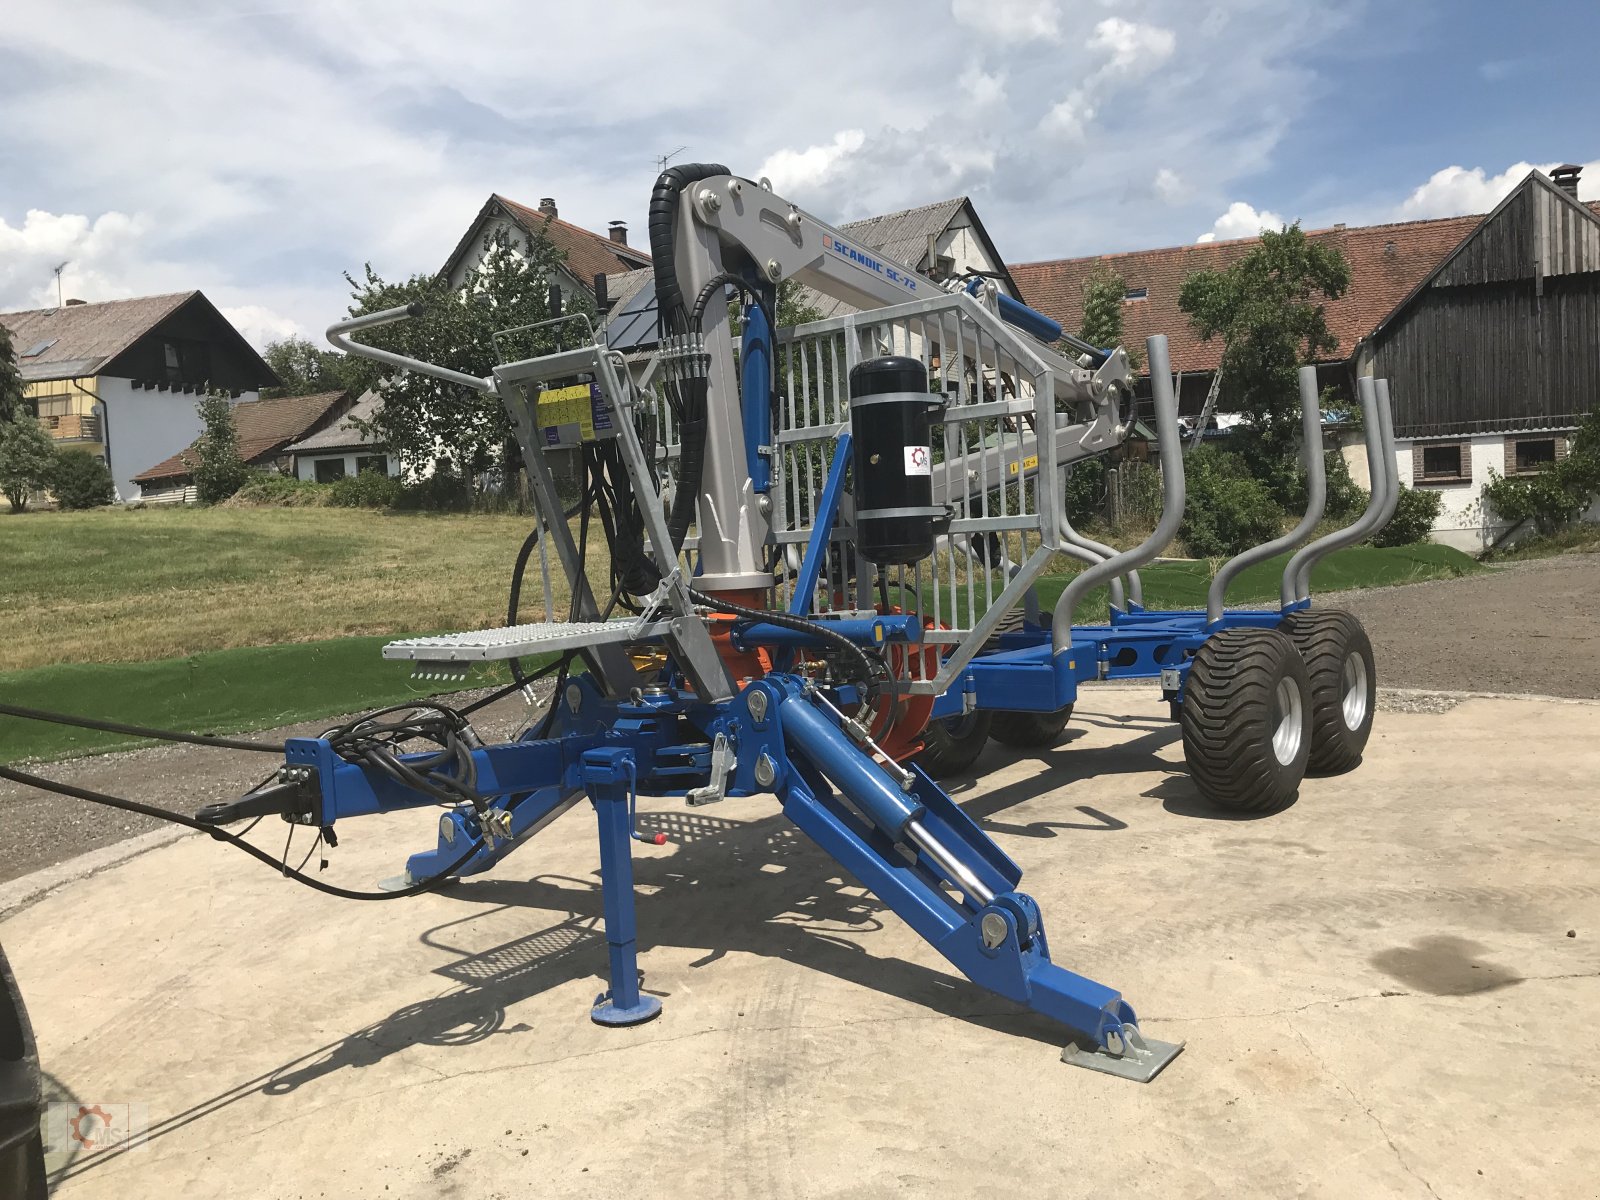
<point x="607" y="1012"/>
<point x="1141" y="1060"/>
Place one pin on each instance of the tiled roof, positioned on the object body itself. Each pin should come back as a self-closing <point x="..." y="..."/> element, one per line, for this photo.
<point x="903" y="235"/>
<point x="265" y="427"/>
<point x="588" y="254"/>
<point x="343" y="434"/>
<point x="85" y="336"/>
<point x="1386" y="263"/>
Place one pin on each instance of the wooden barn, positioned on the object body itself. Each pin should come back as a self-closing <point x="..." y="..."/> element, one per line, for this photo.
<point x="1495" y="356"/>
<point x="1487" y="326"/>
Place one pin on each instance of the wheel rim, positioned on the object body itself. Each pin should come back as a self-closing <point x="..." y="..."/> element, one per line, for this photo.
<point x="1288" y="721"/>
<point x="1354" y="703"/>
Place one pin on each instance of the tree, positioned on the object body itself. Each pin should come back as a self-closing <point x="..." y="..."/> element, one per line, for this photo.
<point x="1268" y="309"/>
<point x="81" y="480"/>
<point x="217" y="469"/>
<point x="1103" y="297"/>
<point x="424" y="420"/>
<point x="304" y="368"/>
<point x="27" y="458"/>
<point x="794" y="306"/>
<point x="10" y="378"/>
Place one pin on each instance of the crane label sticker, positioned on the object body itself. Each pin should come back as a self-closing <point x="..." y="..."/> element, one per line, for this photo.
<point x="867" y="262"/>
<point x="1027" y="464"/>
<point x="918" y="461"/>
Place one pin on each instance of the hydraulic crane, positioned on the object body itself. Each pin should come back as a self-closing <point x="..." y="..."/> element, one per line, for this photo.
<point x="719" y="680"/>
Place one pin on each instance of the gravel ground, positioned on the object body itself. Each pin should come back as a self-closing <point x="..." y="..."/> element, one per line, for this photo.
<point x="1528" y="628"/>
<point x="38" y="829"/>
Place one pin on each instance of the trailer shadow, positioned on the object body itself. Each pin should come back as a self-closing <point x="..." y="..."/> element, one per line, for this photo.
<point x="755" y="887"/>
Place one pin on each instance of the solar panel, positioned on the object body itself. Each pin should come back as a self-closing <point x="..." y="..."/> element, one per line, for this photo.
<point x="38" y="348"/>
<point x="633" y="325"/>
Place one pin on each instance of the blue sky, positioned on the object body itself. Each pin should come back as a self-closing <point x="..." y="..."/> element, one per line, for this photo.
<point x="257" y="150"/>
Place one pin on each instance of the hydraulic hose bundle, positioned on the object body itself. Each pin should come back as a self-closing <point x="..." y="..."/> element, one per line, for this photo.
<point x="686" y="386"/>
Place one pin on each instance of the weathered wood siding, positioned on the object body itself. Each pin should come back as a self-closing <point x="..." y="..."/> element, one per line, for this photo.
<point x="1507" y="334"/>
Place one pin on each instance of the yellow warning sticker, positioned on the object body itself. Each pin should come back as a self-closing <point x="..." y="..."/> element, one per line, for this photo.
<point x="1027" y="464"/>
<point x="568" y="406"/>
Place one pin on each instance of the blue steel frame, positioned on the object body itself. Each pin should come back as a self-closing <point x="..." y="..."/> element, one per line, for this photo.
<point x="962" y="897"/>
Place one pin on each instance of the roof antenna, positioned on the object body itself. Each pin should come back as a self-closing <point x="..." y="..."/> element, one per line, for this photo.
<point x="60" y="303"/>
<point x="663" y="159"/>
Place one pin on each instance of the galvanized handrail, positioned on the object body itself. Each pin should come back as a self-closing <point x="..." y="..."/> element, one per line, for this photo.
<point x="339" y="335"/>
<point x="1296" y="583"/>
<point x="1316" y="500"/>
<point x="1172" y="500"/>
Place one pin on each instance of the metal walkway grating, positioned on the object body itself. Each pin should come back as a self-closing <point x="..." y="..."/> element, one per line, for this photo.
<point x="513" y="641"/>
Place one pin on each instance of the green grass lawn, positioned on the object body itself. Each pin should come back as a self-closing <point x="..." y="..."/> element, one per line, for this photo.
<point x="1183" y="584"/>
<point x="130" y="585"/>
<point x="223" y="691"/>
<point x="226" y="620"/>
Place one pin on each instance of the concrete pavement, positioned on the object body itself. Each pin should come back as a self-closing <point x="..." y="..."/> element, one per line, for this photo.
<point x="1377" y="987"/>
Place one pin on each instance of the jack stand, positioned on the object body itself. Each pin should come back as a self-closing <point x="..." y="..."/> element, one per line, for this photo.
<point x="1128" y="1056"/>
<point x="608" y="777"/>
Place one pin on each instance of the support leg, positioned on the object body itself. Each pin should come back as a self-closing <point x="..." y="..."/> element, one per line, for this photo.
<point x="608" y="777"/>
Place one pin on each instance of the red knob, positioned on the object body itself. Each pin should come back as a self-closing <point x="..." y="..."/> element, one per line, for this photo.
<point x="660" y="839"/>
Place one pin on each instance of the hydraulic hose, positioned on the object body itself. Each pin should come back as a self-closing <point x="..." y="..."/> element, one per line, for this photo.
<point x="674" y="320"/>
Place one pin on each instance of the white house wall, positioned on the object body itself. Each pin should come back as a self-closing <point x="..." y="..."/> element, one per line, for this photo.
<point x="145" y="426"/>
<point x="473" y="254"/>
<point x="306" y="464"/>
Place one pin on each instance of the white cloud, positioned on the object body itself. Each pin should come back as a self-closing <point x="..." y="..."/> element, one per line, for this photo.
<point x="982" y="88"/>
<point x="1457" y="191"/>
<point x="1133" y="48"/>
<point x="261" y="325"/>
<point x="1010" y="20"/>
<point x="800" y="170"/>
<point x="1069" y="120"/>
<point x="1241" y="221"/>
<point x="98" y="255"/>
<point x="1126" y="50"/>
<point x="1170" y="187"/>
<point x="262" y="199"/>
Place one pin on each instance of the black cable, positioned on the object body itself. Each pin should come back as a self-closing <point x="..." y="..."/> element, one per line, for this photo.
<point x="159" y="735"/>
<point x="222" y="835"/>
<point x="513" y="601"/>
<point x="864" y="673"/>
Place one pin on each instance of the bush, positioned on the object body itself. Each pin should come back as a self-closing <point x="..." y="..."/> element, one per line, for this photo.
<point x="269" y="489"/>
<point x="1227" y="511"/>
<point x="1086" y="492"/>
<point x="1414" y="515"/>
<point x="369" y="489"/>
<point x="81" y="480"/>
<point x="443" y="491"/>
<point x="1557" y="495"/>
<point x="1346" y="497"/>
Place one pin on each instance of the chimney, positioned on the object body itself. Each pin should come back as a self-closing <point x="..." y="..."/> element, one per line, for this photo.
<point x="619" y="232"/>
<point x="1565" y="177"/>
<point x="547" y="206"/>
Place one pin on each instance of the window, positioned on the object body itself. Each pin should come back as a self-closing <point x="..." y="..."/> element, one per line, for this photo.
<point x="1137" y="293"/>
<point x="329" y="469"/>
<point x="372" y="462"/>
<point x="1529" y="456"/>
<point x="1440" y="462"/>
